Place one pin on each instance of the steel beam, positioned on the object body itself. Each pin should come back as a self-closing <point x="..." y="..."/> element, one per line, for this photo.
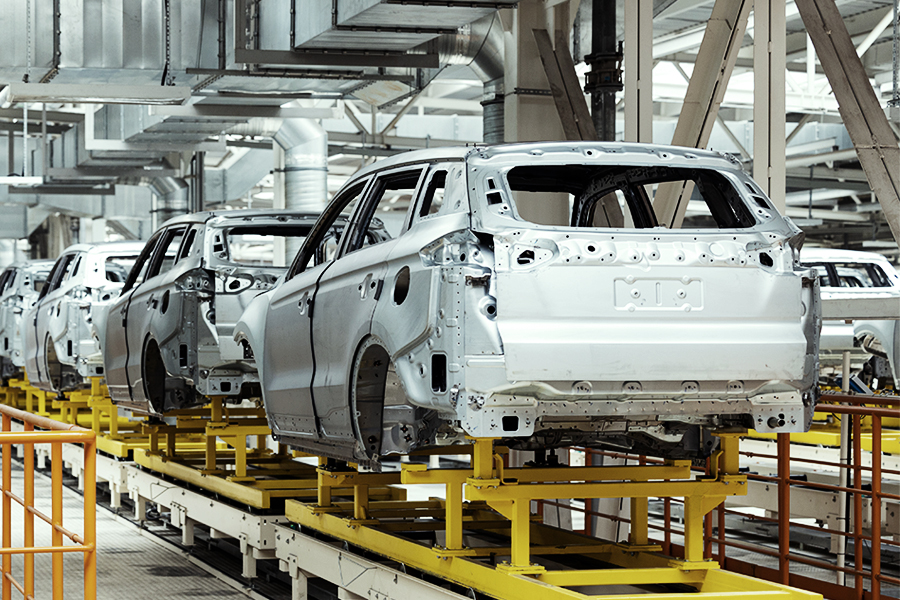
<point x="567" y="95"/>
<point x="769" y="119"/>
<point x="864" y="118"/>
<point x="638" y="71"/>
<point x="715" y="61"/>
<point x="335" y="58"/>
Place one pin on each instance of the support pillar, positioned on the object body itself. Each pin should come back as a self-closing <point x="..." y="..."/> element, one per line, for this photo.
<point x="639" y="71"/>
<point x="860" y="109"/>
<point x="769" y="118"/>
<point x="605" y="77"/>
<point x="527" y="110"/>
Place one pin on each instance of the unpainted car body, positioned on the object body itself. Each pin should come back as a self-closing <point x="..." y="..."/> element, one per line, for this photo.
<point x="849" y="274"/>
<point x="20" y="286"/>
<point x="168" y="340"/>
<point x="529" y="294"/>
<point x="60" y="350"/>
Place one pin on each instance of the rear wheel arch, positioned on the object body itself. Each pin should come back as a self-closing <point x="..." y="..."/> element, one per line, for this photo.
<point x="153" y="374"/>
<point x="368" y="378"/>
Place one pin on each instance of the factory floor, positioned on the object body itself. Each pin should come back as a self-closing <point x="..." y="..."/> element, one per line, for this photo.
<point x="130" y="564"/>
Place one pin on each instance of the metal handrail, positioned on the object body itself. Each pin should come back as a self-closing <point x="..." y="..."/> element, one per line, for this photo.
<point x="41" y="430"/>
<point x="858" y="407"/>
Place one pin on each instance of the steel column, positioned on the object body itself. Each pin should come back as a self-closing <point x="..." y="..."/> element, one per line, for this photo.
<point x="769" y="119"/>
<point x="860" y="109"/>
<point x="638" y="71"/>
<point x="712" y="70"/>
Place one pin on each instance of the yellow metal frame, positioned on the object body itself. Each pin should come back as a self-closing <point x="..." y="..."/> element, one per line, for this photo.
<point x="56" y="434"/>
<point x="223" y="463"/>
<point x="488" y="496"/>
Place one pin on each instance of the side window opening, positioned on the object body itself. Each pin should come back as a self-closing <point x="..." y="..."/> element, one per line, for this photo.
<point x="167" y="252"/>
<point x="56" y="274"/>
<point x="433" y="199"/>
<point x="139" y="270"/>
<point x="321" y="244"/>
<point x="385" y="210"/>
<point x="71" y="268"/>
<point x="188" y="243"/>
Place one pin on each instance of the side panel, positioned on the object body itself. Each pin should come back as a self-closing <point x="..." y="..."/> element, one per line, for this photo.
<point x="115" y="351"/>
<point x="140" y="313"/>
<point x="288" y="362"/>
<point x="342" y="315"/>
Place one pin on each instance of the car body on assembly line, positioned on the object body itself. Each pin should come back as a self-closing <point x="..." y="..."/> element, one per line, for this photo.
<point x="60" y="349"/>
<point x="849" y="274"/>
<point x="20" y="286"/>
<point x="528" y="293"/>
<point x="167" y="340"/>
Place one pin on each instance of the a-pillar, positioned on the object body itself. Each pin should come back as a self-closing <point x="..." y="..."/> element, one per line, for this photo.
<point x="769" y="118"/>
<point x="638" y="71"/>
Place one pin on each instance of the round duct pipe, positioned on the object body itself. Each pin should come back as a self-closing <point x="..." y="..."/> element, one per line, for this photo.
<point x="480" y="46"/>
<point x="305" y="145"/>
<point x="171" y="199"/>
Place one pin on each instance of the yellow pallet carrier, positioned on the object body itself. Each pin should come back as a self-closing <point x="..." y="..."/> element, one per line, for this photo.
<point x="527" y="562"/>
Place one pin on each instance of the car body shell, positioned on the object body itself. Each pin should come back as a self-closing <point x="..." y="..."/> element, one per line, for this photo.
<point x="61" y="352"/>
<point x="182" y="316"/>
<point x="835" y="336"/>
<point x="476" y="322"/>
<point x="20" y="286"/>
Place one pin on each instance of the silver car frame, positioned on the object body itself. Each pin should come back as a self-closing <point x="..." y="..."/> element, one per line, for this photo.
<point x="61" y="352"/>
<point x="168" y="339"/>
<point x="20" y="286"/>
<point x="475" y="322"/>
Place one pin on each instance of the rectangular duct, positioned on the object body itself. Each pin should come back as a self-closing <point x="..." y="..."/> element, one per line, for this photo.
<point x="383" y="24"/>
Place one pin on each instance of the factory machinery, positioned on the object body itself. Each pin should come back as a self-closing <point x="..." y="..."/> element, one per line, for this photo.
<point x="375" y="535"/>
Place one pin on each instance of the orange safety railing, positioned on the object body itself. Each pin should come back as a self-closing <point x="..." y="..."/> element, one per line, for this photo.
<point x="56" y="434"/>
<point x="855" y="579"/>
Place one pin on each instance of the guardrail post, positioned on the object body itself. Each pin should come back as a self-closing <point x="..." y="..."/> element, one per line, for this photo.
<point x="29" y="516"/>
<point x="784" y="506"/>
<point x="90" y="518"/>
<point x="56" y="471"/>
<point x="7" y="511"/>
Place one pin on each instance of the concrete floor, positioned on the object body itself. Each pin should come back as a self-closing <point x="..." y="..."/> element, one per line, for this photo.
<point x="129" y="565"/>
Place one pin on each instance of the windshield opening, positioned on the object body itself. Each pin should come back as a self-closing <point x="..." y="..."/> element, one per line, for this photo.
<point x="614" y="196"/>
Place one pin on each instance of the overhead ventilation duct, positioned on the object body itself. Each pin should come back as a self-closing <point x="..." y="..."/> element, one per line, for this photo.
<point x="384" y="25"/>
<point x="305" y="145"/>
<point x="171" y="199"/>
<point x="480" y="46"/>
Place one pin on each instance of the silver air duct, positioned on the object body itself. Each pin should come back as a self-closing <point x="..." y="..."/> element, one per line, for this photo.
<point x="480" y="46"/>
<point x="171" y="199"/>
<point x="305" y="145"/>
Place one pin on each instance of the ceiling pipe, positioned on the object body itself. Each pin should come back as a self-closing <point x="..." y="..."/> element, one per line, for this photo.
<point x="480" y="46"/>
<point x="171" y="199"/>
<point x="305" y="145"/>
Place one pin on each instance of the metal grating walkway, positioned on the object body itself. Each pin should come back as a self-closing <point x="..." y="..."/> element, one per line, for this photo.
<point x="129" y="565"/>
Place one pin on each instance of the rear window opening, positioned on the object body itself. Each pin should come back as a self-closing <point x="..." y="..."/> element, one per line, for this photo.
<point x="850" y="275"/>
<point x="255" y="245"/>
<point x="622" y="196"/>
<point x="118" y="267"/>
